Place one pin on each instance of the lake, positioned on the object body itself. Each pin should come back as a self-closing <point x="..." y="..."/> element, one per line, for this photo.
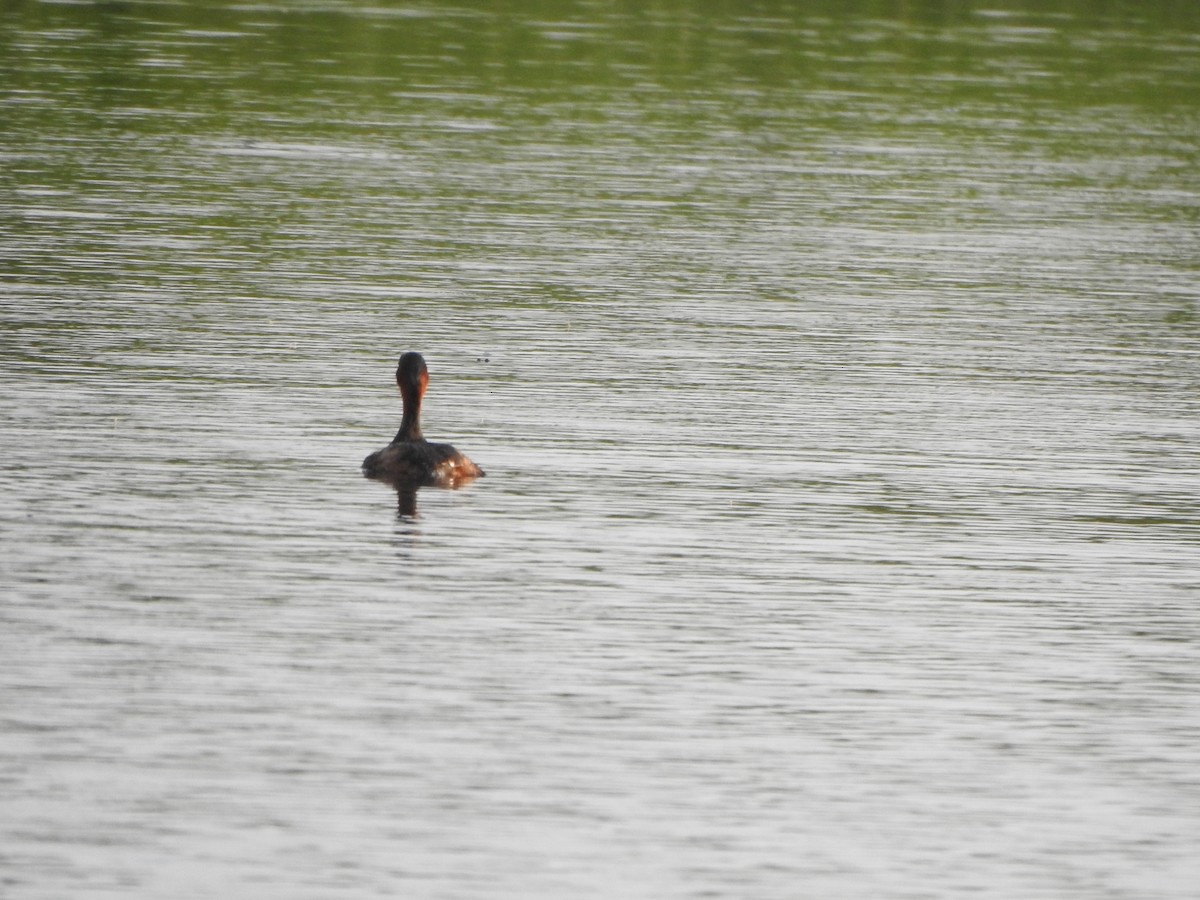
<point x="836" y="372"/>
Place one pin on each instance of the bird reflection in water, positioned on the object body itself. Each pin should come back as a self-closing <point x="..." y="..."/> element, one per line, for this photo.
<point x="410" y="462"/>
<point x="406" y="501"/>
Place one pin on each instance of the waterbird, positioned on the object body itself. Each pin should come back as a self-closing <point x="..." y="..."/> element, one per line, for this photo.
<point x="410" y="459"/>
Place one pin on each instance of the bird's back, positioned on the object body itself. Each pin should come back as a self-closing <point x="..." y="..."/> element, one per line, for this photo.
<point x="420" y="462"/>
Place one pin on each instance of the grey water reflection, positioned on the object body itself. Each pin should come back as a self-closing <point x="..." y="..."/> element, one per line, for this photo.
<point x="834" y="367"/>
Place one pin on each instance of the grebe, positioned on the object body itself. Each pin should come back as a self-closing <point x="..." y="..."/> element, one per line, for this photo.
<point x="410" y="459"/>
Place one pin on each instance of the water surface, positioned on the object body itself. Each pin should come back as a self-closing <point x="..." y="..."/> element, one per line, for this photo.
<point x="835" y="371"/>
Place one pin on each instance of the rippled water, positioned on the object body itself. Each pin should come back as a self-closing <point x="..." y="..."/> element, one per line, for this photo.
<point x="835" y="373"/>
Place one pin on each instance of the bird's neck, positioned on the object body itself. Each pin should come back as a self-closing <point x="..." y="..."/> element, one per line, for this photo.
<point x="410" y="424"/>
